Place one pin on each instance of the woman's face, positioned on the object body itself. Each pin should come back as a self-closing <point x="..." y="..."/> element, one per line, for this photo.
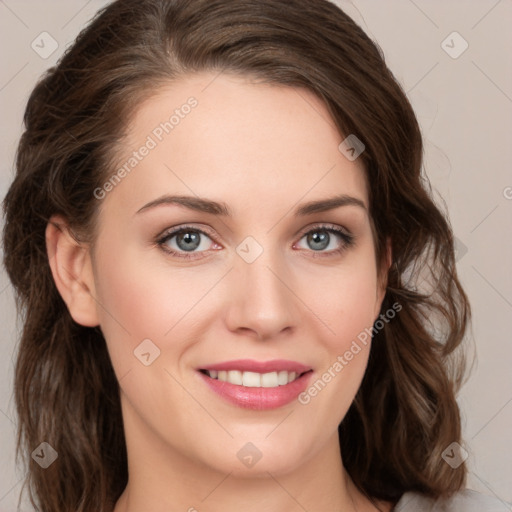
<point x="258" y="276"/>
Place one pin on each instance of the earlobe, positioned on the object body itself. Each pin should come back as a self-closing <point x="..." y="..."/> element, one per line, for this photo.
<point x="71" y="267"/>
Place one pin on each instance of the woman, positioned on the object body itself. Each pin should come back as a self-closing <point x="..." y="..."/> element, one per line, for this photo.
<point x="230" y="268"/>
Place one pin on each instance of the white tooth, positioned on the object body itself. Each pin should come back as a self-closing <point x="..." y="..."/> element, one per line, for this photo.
<point x="254" y="379"/>
<point x="235" y="377"/>
<point x="269" y="380"/>
<point x="282" y="378"/>
<point x="251" y="379"/>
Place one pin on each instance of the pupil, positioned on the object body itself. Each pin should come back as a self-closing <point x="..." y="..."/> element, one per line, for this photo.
<point x="320" y="240"/>
<point x="190" y="239"/>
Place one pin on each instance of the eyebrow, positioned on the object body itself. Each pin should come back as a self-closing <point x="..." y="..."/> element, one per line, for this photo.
<point x="222" y="209"/>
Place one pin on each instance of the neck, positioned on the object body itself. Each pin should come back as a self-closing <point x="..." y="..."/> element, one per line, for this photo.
<point x="162" y="478"/>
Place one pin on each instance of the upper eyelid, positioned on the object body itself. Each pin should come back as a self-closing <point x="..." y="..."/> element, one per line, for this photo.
<point x="170" y="232"/>
<point x="326" y="226"/>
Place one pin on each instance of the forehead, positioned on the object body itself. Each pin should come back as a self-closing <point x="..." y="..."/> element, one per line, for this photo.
<point x="227" y="137"/>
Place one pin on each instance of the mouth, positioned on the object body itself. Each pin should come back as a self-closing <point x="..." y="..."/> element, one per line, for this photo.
<point x="257" y="385"/>
<point x="254" y="379"/>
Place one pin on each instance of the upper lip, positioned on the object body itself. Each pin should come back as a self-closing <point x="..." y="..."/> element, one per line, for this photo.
<point x="250" y="365"/>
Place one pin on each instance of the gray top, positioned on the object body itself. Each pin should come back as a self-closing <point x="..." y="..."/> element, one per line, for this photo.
<point x="463" y="501"/>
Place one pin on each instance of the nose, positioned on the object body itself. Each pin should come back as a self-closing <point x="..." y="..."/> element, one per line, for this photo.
<point x="262" y="301"/>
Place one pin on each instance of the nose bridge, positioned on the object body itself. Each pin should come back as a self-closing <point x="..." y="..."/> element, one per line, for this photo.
<point x="262" y="300"/>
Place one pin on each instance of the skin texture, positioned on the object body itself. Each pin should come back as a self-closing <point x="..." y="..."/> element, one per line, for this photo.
<point x="263" y="150"/>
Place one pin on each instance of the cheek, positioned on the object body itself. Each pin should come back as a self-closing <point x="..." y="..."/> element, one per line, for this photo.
<point x="346" y="308"/>
<point x="344" y="299"/>
<point x="135" y="303"/>
<point x="142" y="301"/>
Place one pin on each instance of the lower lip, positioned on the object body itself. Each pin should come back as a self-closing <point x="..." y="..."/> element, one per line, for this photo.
<point x="258" y="398"/>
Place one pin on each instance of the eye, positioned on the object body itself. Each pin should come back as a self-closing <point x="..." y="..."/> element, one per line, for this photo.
<point x="324" y="237"/>
<point x="184" y="242"/>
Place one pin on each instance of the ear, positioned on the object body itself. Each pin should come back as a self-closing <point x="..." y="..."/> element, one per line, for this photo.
<point x="382" y="281"/>
<point x="71" y="267"/>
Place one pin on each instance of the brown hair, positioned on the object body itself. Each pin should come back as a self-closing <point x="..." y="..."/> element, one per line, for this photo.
<point x="405" y="413"/>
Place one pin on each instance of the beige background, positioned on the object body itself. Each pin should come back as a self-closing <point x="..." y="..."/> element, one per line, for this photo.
<point x="464" y="105"/>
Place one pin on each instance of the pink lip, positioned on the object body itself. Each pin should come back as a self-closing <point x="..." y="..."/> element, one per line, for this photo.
<point x="258" y="398"/>
<point x="249" y="365"/>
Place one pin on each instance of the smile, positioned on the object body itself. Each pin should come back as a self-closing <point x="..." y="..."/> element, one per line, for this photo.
<point x="257" y="385"/>
<point x="254" y="379"/>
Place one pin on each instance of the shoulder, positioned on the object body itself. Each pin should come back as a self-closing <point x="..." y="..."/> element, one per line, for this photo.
<point x="463" y="501"/>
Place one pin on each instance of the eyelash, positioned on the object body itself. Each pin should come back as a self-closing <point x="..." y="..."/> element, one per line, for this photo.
<point x="347" y="241"/>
